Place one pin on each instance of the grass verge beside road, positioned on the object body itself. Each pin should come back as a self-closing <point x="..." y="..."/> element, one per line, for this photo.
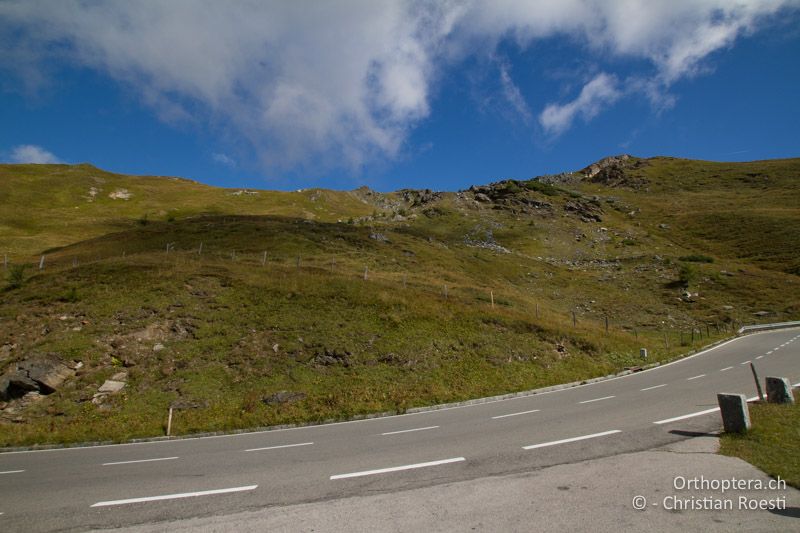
<point x="773" y="444"/>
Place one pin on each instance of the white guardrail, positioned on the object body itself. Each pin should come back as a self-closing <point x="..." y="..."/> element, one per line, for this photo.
<point x="763" y="327"/>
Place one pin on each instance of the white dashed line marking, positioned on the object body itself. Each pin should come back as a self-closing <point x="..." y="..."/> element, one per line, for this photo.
<point x="726" y="368"/>
<point x="398" y="468"/>
<point x="746" y="362"/>
<point x="696" y="377"/>
<point x="408" y="430"/>
<point x="598" y="399"/>
<point x="573" y="439"/>
<point x="769" y="352"/>
<point x="140" y="461"/>
<point x="12" y="472"/>
<point x="280" y="446"/>
<point x="174" y="496"/>
<point x="515" y="414"/>
<point x="654" y="387"/>
<point x="759" y="357"/>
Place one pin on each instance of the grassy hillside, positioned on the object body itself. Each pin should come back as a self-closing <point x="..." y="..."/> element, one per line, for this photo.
<point x="357" y="302"/>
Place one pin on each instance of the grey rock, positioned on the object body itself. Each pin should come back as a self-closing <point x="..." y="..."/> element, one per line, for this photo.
<point x="15" y="385"/>
<point x="111" y="386"/>
<point x="46" y="370"/>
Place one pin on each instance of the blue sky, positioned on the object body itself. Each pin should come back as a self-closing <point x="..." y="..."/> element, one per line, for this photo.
<point x="394" y="94"/>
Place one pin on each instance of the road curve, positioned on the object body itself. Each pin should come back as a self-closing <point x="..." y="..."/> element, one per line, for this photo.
<point x="119" y="485"/>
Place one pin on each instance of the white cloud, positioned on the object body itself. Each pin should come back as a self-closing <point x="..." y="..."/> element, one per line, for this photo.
<point x="513" y="95"/>
<point x="30" y="153"/>
<point x="342" y="83"/>
<point x="223" y="159"/>
<point x="595" y="95"/>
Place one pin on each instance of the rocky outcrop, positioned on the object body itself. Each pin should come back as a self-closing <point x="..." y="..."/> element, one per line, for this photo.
<point x="510" y="195"/>
<point x="586" y="211"/>
<point x="615" y="171"/>
<point x="418" y="198"/>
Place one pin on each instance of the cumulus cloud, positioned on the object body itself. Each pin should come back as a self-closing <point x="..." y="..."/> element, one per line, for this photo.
<point x="342" y="83"/>
<point x="30" y="153"/>
<point x="594" y="96"/>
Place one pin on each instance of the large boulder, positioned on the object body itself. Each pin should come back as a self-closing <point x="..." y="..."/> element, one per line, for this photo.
<point x="16" y="385"/>
<point x="46" y="370"/>
<point x="41" y="373"/>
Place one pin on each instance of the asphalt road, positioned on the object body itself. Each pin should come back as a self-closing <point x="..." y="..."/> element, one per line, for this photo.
<point x="125" y="485"/>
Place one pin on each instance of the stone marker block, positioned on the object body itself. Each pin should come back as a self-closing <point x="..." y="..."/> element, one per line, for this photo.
<point x="735" y="414"/>
<point x="779" y="390"/>
<point x="643" y="353"/>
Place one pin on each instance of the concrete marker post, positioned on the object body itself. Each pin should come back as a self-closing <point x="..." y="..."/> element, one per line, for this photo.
<point x="779" y="390"/>
<point x="491" y="295"/>
<point x="41" y="263"/>
<point x="264" y="259"/>
<point x="169" y="422"/>
<point x="643" y="353"/>
<point x="735" y="413"/>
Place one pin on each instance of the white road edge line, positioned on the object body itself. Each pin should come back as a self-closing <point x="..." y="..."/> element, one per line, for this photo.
<point x="278" y="447"/>
<point x="573" y="439"/>
<point x="696" y="377"/>
<point x="598" y="399"/>
<point x="398" y="468"/>
<point x="726" y="368"/>
<point x="408" y="430"/>
<point x="12" y="472"/>
<point x="140" y="461"/>
<point x="654" y="387"/>
<point x="515" y="414"/>
<point x="698" y="413"/>
<point x="174" y="496"/>
<point x="684" y="417"/>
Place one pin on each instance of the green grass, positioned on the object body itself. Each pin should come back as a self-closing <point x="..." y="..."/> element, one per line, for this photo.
<point x="123" y="275"/>
<point x="773" y="444"/>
